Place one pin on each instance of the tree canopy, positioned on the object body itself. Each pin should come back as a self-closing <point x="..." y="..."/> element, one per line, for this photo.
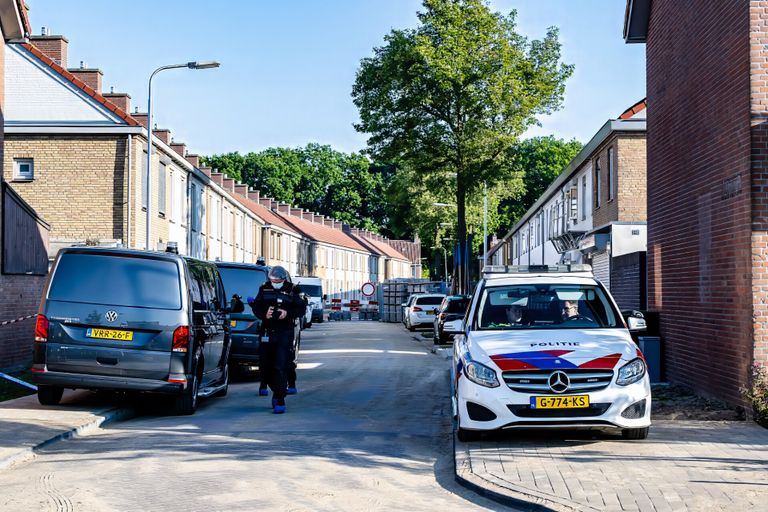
<point x="452" y="96"/>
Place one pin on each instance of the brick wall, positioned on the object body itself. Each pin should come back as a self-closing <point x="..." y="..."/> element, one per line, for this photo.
<point x="608" y="210"/>
<point x="631" y="180"/>
<point x="21" y="297"/>
<point x="78" y="183"/>
<point x="628" y="284"/>
<point x="699" y="237"/>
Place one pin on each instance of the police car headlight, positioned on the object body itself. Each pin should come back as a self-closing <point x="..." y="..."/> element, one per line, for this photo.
<point x="481" y="374"/>
<point x="631" y="372"/>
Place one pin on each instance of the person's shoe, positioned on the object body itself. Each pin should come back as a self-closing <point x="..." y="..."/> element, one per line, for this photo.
<point x="279" y="406"/>
<point x="292" y="391"/>
<point x="263" y="392"/>
<point x="279" y="409"/>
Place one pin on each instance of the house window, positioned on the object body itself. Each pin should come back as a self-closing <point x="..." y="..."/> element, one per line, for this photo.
<point x="161" y="190"/>
<point x="611" y="171"/>
<point x="23" y="169"/>
<point x="584" y="197"/>
<point x="597" y="183"/>
<point x="144" y="181"/>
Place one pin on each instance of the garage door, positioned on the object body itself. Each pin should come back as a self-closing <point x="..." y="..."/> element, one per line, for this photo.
<point x="601" y="266"/>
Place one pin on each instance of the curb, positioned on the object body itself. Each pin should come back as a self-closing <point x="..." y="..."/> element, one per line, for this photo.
<point x="506" y="493"/>
<point x="103" y="418"/>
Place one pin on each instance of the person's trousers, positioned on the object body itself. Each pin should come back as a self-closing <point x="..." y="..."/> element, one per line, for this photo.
<point x="280" y="350"/>
<point x="265" y="364"/>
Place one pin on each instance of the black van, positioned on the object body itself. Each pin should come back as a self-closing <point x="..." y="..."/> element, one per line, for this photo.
<point x="122" y="319"/>
<point x="244" y="280"/>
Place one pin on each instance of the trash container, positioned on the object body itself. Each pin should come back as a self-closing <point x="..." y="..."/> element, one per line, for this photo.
<point x="650" y="346"/>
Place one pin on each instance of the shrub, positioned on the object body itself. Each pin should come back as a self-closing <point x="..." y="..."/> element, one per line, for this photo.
<point x="757" y="393"/>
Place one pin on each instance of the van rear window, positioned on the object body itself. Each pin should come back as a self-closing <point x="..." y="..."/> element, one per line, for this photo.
<point x="116" y="281"/>
<point x="429" y="301"/>
<point x="244" y="282"/>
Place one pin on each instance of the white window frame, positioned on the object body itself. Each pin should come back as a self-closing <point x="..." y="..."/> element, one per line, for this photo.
<point x="23" y="176"/>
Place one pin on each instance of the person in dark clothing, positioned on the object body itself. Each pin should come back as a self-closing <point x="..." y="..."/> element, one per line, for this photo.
<point x="278" y="305"/>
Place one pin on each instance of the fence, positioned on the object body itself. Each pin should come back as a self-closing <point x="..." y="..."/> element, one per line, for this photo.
<point x="395" y="292"/>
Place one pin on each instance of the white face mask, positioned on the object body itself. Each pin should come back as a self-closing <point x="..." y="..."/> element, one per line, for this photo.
<point x="279" y="285"/>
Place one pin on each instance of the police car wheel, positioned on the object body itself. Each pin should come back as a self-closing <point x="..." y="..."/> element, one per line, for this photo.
<point x="635" y="433"/>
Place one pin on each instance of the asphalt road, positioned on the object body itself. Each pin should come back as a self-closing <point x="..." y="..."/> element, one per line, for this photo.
<point x="369" y="430"/>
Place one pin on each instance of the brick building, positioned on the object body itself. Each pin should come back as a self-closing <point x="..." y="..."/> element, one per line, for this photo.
<point x="707" y="70"/>
<point x="593" y="212"/>
<point x="23" y="234"/>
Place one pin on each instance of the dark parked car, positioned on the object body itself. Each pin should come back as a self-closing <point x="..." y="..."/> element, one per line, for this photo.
<point x="453" y="307"/>
<point x="120" y="319"/>
<point x="244" y="280"/>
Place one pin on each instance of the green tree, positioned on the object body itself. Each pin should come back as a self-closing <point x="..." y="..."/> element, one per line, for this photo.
<point x="455" y="93"/>
<point x="540" y="160"/>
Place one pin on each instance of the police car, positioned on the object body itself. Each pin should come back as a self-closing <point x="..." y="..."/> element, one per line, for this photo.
<point x="546" y="347"/>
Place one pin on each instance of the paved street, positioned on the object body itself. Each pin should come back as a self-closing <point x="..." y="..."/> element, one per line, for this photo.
<point x="369" y="430"/>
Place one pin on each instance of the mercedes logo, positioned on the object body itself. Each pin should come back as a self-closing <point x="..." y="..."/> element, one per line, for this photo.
<point x="111" y="316"/>
<point x="559" y="382"/>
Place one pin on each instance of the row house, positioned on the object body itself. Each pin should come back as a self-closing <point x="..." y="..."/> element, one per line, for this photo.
<point x="593" y="212"/>
<point x="706" y="76"/>
<point x="23" y="232"/>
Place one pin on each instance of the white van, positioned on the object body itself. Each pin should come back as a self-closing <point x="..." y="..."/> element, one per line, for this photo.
<point x="313" y="288"/>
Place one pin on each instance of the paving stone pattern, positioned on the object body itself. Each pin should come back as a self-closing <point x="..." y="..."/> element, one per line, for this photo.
<point x="683" y="465"/>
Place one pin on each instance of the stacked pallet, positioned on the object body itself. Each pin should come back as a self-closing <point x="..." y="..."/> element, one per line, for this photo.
<point x="393" y="293"/>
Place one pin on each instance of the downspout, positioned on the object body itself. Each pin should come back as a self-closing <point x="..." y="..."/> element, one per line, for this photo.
<point x="130" y="172"/>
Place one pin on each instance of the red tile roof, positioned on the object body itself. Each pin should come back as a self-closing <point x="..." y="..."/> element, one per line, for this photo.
<point x="634" y="109"/>
<point x="384" y="248"/>
<point x="24" y="16"/>
<point x="81" y="85"/>
<point x="322" y="233"/>
<point x="262" y="212"/>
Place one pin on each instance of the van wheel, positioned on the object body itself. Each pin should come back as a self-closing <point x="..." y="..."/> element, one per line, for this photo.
<point x="307" y="326"/>
<point x="49" y="395"/>
<point x="223" y="391"/>
<point x="635" y="433"/>
<point x="186" y="403"/>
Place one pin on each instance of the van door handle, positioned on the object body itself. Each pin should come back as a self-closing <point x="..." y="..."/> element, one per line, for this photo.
<point x="107" y="360"/>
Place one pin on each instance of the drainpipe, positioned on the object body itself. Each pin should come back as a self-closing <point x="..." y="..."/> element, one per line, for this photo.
<point x="130" y="172"/>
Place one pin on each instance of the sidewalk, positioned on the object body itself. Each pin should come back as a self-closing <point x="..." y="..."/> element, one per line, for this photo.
<point x="683" y="465"/>
<point x="25" y="425"/>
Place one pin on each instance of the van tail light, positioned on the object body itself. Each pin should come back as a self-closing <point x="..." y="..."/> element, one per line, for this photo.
<point x="417" y="308"/>
<point x="181" y="339"/>
<point x="41" y="329"/>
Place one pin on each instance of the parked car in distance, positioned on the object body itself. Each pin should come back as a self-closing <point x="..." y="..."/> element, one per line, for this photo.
<point x="422" y="310"/>
<point x="405" y="307"/>
<point x="313" y="287"/>
<point x="546" y="347"/>
<point x="453" y="307"/>
<point x="120" y="319"/>
<point x="244" y="280"/>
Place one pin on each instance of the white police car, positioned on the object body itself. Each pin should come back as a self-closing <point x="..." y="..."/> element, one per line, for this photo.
<point x="546" y="347"/>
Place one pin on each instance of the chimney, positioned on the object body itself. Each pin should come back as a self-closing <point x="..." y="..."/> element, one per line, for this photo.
<point x="241" y="189"/>
<point x="206" y="171"/>
<point x="122" y="100"/>
<point x="193" y="159"/>
<point x="229" y="184"/>
<point x="54" y="47"/>
<point x="141" y="117"/>
<point x="253" y="195"/>
<point x="217" y="178"/>
<point x="346" y="227"/>
<point x="284" y="208"/>
<point x="180" y="148"/>
<point x="266" y="202"/>
<point x="91" y="77"/>
<point x="164" y="135"/>
<point x="328" y="222"/>
<point x="297" y="212"/>
<point x="308" y="216"/>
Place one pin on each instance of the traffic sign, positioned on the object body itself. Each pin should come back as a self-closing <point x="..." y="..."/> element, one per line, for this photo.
<point x="368" y="289"/>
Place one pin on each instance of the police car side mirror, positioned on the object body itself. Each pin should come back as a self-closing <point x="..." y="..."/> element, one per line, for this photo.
<point x="454" y="327"/>
<point x="636" y="324"/>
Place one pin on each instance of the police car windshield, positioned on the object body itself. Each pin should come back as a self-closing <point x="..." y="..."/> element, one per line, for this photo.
<point x="546" y="306"/>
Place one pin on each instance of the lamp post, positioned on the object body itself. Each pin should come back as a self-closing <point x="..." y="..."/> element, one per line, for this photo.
<point x="485" y="224"/>
<point x="148" y="176"/>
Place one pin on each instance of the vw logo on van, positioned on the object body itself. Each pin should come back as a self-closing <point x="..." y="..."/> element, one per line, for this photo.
<point x="559" y="382"/>
<point x="111" y="316"/>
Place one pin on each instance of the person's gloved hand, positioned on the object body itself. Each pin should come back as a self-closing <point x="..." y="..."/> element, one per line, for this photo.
<point x="250" y="299"/>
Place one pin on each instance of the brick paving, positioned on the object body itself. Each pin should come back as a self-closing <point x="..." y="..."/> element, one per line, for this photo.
<point x="683" y="465"/>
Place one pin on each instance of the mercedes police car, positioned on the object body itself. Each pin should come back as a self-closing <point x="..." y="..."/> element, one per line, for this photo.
<point x="546" y="347"/>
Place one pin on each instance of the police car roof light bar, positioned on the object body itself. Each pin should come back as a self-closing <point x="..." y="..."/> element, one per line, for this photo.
<point x="536" y="269"/>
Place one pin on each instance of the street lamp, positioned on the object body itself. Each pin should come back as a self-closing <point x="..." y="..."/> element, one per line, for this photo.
<point x="191" y="65"/>
<point x="444" y="205"/>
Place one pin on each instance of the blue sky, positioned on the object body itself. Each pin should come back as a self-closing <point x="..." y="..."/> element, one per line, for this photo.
<point x="288" y="65"/>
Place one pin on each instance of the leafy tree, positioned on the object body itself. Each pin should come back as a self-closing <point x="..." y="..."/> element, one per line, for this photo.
<point x="455" y="93"/>
<point x="540" y="160"/>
